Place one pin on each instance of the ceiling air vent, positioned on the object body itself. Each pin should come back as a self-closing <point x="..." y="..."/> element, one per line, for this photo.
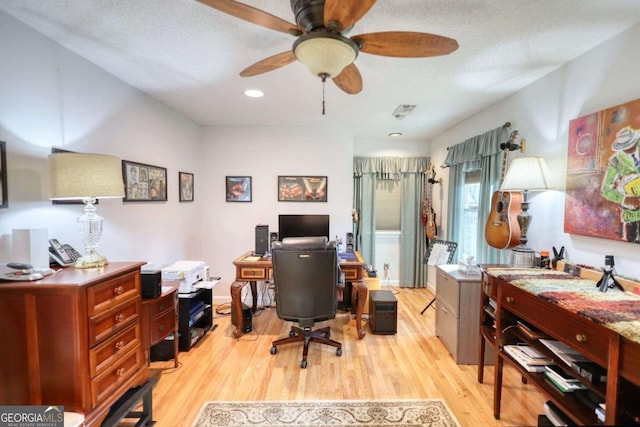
<point x="403" y="111"/>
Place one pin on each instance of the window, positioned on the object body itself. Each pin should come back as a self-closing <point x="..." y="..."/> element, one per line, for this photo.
<point x="469" y="229"/>
<point x="388" y="205"/>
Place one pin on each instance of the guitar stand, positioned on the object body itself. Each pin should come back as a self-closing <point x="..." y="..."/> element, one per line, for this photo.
<point x="429" y="305"/>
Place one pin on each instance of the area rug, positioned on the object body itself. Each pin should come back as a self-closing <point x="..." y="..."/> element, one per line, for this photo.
<point x="429" y="412"/>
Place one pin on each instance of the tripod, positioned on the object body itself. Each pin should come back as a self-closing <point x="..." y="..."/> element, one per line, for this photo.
<point x="428" y="305"/>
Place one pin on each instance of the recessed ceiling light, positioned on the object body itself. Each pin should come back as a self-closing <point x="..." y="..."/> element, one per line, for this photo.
<point x="254" y="93"/>
<point x="395" y="134"/>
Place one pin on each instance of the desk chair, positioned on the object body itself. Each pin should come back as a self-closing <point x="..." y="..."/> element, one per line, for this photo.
<point x="305" y="275"/>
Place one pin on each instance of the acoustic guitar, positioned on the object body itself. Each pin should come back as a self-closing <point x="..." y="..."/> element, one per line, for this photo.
<point x="502" y="230"/>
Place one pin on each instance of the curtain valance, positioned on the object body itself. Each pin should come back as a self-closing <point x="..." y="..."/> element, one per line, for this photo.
<point x="473" y="149"/>
<point x="389" y="168"/>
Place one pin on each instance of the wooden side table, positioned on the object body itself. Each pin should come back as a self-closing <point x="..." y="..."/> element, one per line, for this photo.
<point x="160" y="318"/>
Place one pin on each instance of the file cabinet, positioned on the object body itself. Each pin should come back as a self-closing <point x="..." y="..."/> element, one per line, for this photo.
<point x="457" y="313"/>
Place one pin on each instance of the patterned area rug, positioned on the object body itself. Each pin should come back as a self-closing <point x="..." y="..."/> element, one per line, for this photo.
<point x="429" y="412"/>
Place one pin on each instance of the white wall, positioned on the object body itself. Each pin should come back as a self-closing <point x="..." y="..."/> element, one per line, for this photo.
<point x="602" y="78"/>
<point x="51" y="97"/>
<point x="228" y="228"/>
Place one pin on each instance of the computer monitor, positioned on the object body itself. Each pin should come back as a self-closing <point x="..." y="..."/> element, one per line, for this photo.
<point x="303" y="225"/>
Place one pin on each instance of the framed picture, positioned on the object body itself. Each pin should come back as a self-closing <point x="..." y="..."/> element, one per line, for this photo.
<point x="4" y="197"/>
<point x="602" y="179"/>
<point x="302" y="188"/>
<point x="144" y="183"/>
<point x="186" y="186"/>
<point x="238" y="188"/>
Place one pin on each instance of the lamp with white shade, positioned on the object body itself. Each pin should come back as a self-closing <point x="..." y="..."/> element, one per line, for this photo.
<point x="525" y="174"/>
<point x="88" y="177"/>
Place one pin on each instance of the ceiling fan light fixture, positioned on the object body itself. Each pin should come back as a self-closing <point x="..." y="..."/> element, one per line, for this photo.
<point x="325" y="53"/>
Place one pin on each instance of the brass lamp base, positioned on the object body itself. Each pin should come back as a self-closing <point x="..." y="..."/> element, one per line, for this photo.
<point x="92" y="260"/>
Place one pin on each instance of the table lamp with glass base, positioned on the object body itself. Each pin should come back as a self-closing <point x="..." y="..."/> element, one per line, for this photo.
<point x="87" y="177"/>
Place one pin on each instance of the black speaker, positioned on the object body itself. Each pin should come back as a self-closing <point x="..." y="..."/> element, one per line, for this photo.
<point x="273" y="237"/>
<point x="350" y="244"/>
<point x="262" y="239"/>
<point x="150" y="283"/>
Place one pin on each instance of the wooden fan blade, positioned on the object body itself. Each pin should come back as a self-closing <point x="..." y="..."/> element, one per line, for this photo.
<point x="269" y="64"/>
<point x="349" y="80"/>
<point x="405" y="44"/>
<point x="253" y="15"/>
<point x="345" y="12"/>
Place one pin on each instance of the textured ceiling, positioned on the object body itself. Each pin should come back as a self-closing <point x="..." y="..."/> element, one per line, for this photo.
<point x="188" y="56"/>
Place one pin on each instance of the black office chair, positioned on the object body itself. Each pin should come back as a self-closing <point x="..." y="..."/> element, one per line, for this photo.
<point x="305" y="275"/>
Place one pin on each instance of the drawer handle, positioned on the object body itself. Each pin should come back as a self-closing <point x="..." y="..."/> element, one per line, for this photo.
<point x="581" y="337"/>
<point x="118" y="291"/>
<point x="120" y="372"/>
<point x="161" y="307"/>
<point x="119" y="317"/>
<point x="510" y="299"/>
<point x="161" y="328"/>
<point x="119" y="345"/>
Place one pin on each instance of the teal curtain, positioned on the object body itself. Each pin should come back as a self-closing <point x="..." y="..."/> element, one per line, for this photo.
<point x="367" y="171"/>
<point x="482" y="152"/>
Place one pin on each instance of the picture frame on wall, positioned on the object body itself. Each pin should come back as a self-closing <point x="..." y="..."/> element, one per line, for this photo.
<point x="144" y="183"/>
<point x="4" y="196"/>
<point x="302" y="188"/>
<point x="238" y="188"/>
<point x="185" y="180"/>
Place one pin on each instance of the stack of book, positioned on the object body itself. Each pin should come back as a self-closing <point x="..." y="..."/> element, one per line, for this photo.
<point x="563" y="381"/>
<point x="528" y="357"/>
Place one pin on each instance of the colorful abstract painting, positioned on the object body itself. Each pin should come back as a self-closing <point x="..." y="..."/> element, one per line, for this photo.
<point x="603" y="174"/>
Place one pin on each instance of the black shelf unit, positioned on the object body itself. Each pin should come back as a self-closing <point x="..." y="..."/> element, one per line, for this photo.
<point x="195" y="317"/>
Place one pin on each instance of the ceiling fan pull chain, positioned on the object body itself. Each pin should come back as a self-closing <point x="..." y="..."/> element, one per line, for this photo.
<point x="323" y="76"/>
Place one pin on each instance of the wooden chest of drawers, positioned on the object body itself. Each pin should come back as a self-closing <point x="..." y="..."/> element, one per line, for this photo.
<point x="73" y="339"/>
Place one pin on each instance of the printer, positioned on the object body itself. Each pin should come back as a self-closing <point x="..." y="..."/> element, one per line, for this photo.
<point x="187" y="272"/>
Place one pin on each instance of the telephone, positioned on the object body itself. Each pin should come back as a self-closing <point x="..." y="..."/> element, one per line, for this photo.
<point x="63" y="255"/>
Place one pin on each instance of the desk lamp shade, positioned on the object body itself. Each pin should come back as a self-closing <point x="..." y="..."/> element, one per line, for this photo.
<point x="88" y="177"/>
<point x="525" y="174"/>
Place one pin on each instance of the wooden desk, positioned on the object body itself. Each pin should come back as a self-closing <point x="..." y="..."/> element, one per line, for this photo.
<point x="160" y="318"/>
<point x="561" y="307"/>
<point x="250" y="271"/>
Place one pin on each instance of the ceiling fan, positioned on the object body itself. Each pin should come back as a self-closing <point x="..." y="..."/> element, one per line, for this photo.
<point x="321" y="43"/>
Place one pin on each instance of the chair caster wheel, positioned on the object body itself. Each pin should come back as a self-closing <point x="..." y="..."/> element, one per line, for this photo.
<point x="338" y="352"/>
<point x="292" y="334"/>
<point x="327" y="335"/>
<point x="273" y="350"/>
<point x="303" y="364"/>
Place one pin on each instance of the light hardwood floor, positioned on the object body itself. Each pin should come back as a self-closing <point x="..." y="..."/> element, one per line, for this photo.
<point x="411" y="364"/>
